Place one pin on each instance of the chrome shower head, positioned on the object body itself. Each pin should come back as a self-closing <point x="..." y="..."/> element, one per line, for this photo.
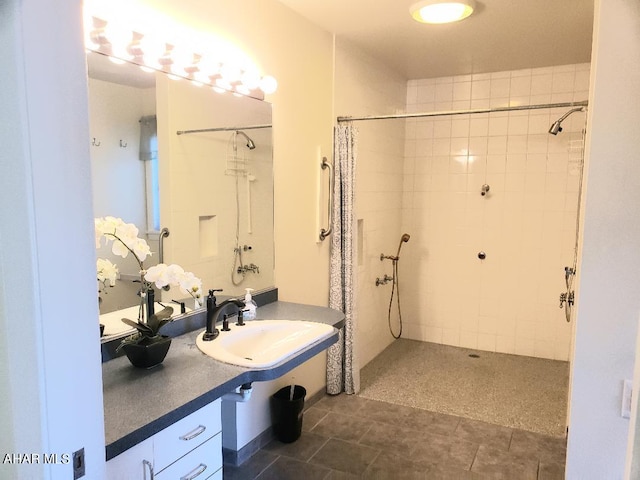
<point x="250" y="143"/>
<point x="556" y="128"/>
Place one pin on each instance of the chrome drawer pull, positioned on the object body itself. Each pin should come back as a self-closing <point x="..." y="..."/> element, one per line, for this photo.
<point x="195" y="472"/>
<point x="194" y="433"/>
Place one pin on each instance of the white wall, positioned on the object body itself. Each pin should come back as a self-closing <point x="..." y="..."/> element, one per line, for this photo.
<point x="51" y="394"/>
<point x="526" y="224"/>
<point x="365" y="87"/>
<point x="609" y="293"/>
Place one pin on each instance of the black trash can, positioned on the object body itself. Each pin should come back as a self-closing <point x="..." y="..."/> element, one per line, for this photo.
<point x="286" y="412"/>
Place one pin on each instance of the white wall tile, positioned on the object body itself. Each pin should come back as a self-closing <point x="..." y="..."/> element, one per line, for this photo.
<point x="481" y="89"/>
<point x="531" y="207"/>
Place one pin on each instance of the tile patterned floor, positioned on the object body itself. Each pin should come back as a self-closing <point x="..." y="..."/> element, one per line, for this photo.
<point x="350" y="437"/>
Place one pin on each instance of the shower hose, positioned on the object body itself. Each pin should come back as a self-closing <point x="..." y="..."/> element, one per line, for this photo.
<point x="395" y="289"/>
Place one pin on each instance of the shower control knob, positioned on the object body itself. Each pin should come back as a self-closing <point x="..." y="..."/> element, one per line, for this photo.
<point x="482" y="255"/>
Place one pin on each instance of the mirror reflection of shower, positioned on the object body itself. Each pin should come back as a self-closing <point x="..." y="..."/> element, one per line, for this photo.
<point x="395" y="287"/>
<point x="237" y="165"/>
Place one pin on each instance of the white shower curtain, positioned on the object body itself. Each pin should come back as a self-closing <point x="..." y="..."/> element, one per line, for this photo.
<point x="343" y="372"/>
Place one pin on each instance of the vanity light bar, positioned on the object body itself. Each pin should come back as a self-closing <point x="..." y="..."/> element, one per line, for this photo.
<point x="136" y="47"/>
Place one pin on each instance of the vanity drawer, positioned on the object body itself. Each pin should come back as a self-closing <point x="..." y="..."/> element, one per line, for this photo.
<point x="129" y="465"/>
<point x="200" y="464"/>
<point x="183" y="436"/>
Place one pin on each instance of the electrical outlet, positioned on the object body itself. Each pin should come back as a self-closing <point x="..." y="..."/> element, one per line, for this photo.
<point x="78" y="464"/>
<point x="627" y="389"/>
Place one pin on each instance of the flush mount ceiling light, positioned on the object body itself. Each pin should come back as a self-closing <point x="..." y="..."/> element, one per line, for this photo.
<point x="441" y="11"/>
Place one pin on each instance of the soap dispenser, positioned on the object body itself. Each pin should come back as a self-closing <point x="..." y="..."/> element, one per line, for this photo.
<point x="249" y="312"/>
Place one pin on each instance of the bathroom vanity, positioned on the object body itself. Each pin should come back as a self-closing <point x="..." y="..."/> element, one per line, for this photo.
<point x="167" y="420"/>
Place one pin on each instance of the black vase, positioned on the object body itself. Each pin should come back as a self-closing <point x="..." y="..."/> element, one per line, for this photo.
<point x="148" y="351"/>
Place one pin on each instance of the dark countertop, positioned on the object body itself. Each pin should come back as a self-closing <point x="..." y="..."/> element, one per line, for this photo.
<point x="139" y="403"/>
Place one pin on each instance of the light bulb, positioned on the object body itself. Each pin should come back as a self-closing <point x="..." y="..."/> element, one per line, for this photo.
<point x="268" y="84"/>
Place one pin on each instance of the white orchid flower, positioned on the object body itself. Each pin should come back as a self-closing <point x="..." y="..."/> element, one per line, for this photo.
<point x="141" y="249"/>
<point x="156" y="274"/>
<point x="191" y="284"/>
<point x="107" y="271"/>
<point x="125" y="240"/>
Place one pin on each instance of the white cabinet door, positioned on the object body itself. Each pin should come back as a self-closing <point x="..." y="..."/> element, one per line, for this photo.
<point x="168" y="451"/>
<point x="198" y="464"/>
<point x="183" y="436"/>
<point x="129" y="465"/>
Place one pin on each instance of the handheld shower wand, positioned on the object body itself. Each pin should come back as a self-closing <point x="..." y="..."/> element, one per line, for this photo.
<point x="395" y="287"/>
<point x="404" y="239"/>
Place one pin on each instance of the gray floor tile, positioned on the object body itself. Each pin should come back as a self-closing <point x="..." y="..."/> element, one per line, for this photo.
<point x="446" y="472"/>
<point x="311" y="417"/>
<point x="550" y="471"/>
<point x="384" y="412"/>
<point x="251" y="468"/>
<point x="290" y="469"/>
<point x="344" y="427"/>
<point x="484" y="433"/>
<point x="338" y="475"/>
<point x="544" y="447"/>
<point x="441" y="423"/>
<point x="345" y="456"/>
<point x="302" y="449"/>
<point x="500" y="464"/>
<point x="385" y="473"/>
<point x="391" y="466"/>
<point x="445" y="450"/>
<point x="343" y="403"/>
<point x="392" y="439"/>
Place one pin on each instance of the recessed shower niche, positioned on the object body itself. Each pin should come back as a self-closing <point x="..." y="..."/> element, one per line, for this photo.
<point x="208" y="235"/>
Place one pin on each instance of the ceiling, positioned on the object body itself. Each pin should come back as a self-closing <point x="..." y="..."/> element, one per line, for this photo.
<point x="500" y="35"/>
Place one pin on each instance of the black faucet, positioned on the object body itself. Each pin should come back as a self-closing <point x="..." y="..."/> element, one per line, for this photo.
<point x="213" y="311"/>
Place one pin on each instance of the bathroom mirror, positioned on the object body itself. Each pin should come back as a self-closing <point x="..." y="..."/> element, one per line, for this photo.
<point x="212" y="189"/>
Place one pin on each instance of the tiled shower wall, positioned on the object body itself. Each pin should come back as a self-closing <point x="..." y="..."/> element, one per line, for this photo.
<point x="526" y="224"/>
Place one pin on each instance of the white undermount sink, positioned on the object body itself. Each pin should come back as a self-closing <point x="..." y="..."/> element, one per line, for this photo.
<point x="263" y="343"/>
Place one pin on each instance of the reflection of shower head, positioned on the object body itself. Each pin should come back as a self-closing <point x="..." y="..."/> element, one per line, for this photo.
<point x="556" y="128"/>
<point x="404" y="239"/>
<point x="250" y="143"/>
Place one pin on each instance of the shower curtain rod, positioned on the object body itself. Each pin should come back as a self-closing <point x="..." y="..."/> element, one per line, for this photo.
<point x="224" y="129"/>
<point x="464" y="112"/>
